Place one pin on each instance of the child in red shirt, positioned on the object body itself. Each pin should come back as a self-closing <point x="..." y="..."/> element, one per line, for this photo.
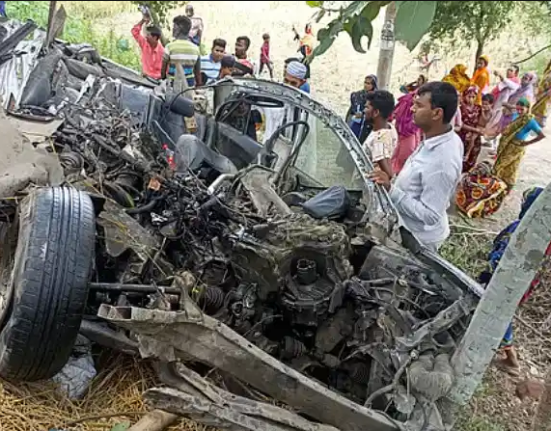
<point x="265" y="56"/>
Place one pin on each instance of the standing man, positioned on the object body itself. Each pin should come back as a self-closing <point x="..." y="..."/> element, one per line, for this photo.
<point x="242" y="45"/>
<point x="383" y="139"/>
<point x="295" y="76"/>
<point x="182" y="54"/>
<point x="265" y="59"/>
<point x="212" y="63"/>
<point x="424" y="188"/>
<point x="196" y="31"/>
<point x="151" y="48"/>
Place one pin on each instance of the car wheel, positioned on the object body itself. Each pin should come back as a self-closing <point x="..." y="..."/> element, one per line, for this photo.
<point x="46" y="282"/>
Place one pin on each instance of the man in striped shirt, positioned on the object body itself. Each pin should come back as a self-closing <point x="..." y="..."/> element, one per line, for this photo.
<point x="182" y="53"/>
<point x="211" y="64"/>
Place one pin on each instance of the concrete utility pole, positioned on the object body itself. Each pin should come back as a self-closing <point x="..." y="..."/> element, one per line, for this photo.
<point x="386" y="52"/>
<point x="517" y="268"/>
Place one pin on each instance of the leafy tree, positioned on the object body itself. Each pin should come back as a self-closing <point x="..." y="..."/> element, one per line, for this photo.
<point x="413" y="20"/>
<point x="478" y="21"/>
<point x="160" y="9"/>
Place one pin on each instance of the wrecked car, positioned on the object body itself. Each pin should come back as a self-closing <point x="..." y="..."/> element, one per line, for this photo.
<point x="243" y="248"/>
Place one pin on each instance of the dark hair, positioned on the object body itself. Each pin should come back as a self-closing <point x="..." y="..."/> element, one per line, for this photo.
<point x="183" y="22"/>
<point x="219" y="42"/>
<point x="382" y="101"/>
<point x="443" y="96"/>
<point x="515" y="68"/>
<point x="265" y="36"/>
<point x="290" y="59"/>
<point x="246" y="40"/>
<point x="227" y="61"/>
<point x="489" y="98"/>
<point x="155" y="31"/>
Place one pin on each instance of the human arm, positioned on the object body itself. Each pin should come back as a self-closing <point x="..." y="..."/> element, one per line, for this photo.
<point x="534" y="127"/>
<point x="385" y="166"/>
<point x="137" y="32"/>
<point x="197" y="73"/>
<point x="166" y="63"/>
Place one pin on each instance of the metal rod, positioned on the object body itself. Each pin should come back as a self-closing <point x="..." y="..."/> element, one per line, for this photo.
<point x="137" y="288"/>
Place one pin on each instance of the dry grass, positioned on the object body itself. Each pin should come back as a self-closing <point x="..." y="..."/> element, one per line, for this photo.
<point x="115" y="396"/>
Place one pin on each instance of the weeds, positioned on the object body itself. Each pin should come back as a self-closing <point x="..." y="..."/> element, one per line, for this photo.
<point x="79" y="27"/>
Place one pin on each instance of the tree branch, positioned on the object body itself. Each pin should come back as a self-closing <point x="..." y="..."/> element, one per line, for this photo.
<point x="533" y="55"/>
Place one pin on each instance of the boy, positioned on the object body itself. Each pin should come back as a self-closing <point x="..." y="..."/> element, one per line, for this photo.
<point x="265" y="56"/>
<point x="383" y="138"/>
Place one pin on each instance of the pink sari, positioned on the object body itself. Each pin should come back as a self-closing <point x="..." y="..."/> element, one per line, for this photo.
<point x="409" y="135"/>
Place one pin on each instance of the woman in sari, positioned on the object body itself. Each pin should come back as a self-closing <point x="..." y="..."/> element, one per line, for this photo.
<point x="481" y="77"/>
<point x="413" y="86"/>
<point x="355" y="116"/>
<point x="513" y="143"/>
<point x="409" y="135"/>
<point x="480" y="193"/>
<point x="510" y="364"/>
<point x="458" y="78"/>
<point x="470" y="131"/>
<point x="543" y="98"/>
<point x="526" y="90"/>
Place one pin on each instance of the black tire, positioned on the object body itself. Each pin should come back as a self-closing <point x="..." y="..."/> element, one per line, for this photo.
<point x="49" y="282"/>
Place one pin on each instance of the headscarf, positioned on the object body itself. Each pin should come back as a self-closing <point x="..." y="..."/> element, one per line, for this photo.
<point x="359" y="98"/>
<point x="297" y="69"/>
<point x="458" y="78"/>
<point x="473" y="89"/>
<point x="526" y="90"/>
<point x="485" y="58"/>
<point x="375" y="81"/>
<point x="523" y="101"/>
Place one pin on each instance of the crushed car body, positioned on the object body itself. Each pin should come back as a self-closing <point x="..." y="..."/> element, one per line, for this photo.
<point x="230" y="233"/>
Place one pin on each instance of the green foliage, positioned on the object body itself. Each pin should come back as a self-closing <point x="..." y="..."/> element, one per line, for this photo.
<point x="413" y="19"/>
<point x="356" y="19"/>
<point x="160" y="9"/>
<point x="472" y="20"/>
<point x="78" y="29"/>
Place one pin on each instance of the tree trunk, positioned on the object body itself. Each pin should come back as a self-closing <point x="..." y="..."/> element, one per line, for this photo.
<point x="386" y="53"/>
<point x="515" y="272"/>
<point x="479" y="51"/>
<point x="542" y="421"/>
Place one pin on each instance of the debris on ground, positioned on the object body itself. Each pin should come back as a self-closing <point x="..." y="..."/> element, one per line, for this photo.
<point x="233" y="264"/>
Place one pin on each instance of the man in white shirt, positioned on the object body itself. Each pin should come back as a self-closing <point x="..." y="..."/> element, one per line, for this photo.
<point x="424" y="188"/>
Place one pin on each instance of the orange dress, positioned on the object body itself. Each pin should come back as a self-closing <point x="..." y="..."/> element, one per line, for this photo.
<point x="481" y="79"/>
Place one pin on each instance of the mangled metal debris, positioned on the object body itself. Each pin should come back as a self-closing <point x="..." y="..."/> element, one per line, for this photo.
<point x="215" y="251"/>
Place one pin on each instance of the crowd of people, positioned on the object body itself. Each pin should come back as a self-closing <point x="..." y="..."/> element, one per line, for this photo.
<point x="182" y="56"/>
<point x="513" y="114"/>
<point x="427" y="150"/>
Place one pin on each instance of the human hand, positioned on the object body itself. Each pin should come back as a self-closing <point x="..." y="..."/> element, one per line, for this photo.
<point x="381" y="178"/>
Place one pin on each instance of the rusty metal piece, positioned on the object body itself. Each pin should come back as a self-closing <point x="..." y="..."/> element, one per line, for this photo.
<point x="169" y="336"/>
<point x="193" y="396"/>
<point x="263" y="196"/>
